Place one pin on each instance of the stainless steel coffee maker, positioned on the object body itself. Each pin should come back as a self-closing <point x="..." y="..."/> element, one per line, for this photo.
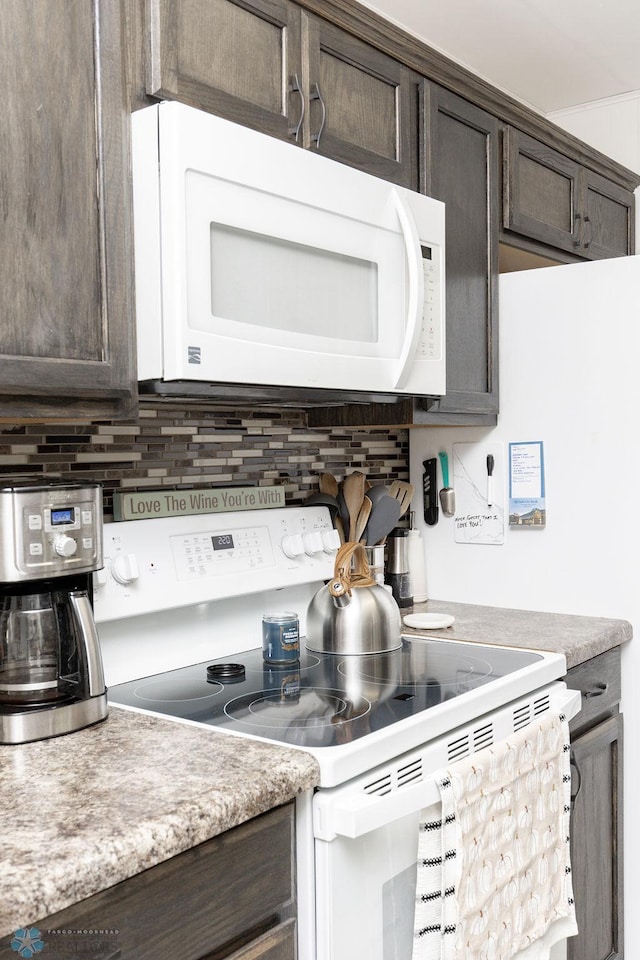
<point x="51" y="677"/>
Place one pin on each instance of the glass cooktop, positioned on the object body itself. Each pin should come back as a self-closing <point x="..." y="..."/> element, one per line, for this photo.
<point x="323" y="700"/>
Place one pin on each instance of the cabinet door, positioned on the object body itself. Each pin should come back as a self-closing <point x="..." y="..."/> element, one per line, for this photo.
<point x="596" y="842"/>
<point x="66" y="323"/>
<point x="462" y="169"/>
<point x="277" y="944"/>
<point x="236" y="58"/>
<point x="552" y="199"/>
<point x="608" y="229"/>
<point x="541" y="192"/>
<point x="362" y="104"/>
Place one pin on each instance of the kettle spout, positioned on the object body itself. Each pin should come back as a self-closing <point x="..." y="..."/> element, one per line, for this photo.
<point x="340" y="594"/>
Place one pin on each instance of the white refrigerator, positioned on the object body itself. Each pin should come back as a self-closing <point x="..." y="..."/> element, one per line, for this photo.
<point x="569" y="388"/>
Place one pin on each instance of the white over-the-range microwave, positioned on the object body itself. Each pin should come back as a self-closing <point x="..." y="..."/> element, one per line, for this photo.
<point x="260" y="263"/>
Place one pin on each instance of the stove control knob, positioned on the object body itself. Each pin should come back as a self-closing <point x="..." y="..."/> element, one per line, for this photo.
<point x="312" y="543"/>
<point x="65" y="546"/>
<point x="292" y="546"/>
<point x="124" y="568"/>
<point x="330" y="541"/>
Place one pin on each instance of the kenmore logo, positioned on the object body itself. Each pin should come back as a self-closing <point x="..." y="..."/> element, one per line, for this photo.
<point x="194" y="355"/>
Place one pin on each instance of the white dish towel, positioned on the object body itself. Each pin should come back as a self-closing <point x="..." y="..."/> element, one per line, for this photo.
<point x="494" y="873"/>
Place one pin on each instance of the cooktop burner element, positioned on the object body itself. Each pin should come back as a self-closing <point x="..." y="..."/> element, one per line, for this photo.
<point x="313" y="707"/>
<point x="172" y="689"/>
<point x="323" y="700"/>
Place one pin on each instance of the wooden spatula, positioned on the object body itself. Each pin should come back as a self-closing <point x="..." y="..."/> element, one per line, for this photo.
<point x="403" y="491"/>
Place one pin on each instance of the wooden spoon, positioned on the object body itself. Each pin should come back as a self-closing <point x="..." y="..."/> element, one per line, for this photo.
<point x="329" y="484"/>
<point x="363" y="518"/>
<point x="353" y="493"/>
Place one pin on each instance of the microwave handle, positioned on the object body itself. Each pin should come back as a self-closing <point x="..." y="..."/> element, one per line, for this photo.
<point x="415" y="308"/>
<point x="356" y="813"/>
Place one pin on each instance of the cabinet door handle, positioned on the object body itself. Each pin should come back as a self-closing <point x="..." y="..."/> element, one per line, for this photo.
<point x="587" y="243"/>
<point x="316" y="95"/>
<point x="577" y="229"/>
<point x="295" y="87"/>
<point x="574" y="793"/>
<point x="596" y="691"/>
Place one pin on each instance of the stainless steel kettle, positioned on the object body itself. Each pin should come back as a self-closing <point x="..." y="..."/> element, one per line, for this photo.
<point x="352" y="614"/>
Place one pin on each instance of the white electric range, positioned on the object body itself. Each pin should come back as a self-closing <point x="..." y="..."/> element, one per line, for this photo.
<point x="179" y="610"/>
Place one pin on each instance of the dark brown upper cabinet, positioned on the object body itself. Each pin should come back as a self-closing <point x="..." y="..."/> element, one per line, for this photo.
<point x="551" y="198"/>
<point x="239" y="60"/>
<point x="271" y="66"/>
<point x="66" y="268"/>
<point x="461" y="150"/>
<point x="362" y="104"/>
<point x="459" y="164"/>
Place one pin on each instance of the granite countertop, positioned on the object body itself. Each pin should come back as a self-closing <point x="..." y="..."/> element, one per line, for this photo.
<point x="84" y="811"/>
<point x="579" y="638"/>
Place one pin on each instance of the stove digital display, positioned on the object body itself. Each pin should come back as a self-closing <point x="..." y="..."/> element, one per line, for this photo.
<point x="223" y="541"/>
<point x="62" y="516"/>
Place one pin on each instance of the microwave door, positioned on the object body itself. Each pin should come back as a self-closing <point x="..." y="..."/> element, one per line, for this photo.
<point x="283" y="292"/>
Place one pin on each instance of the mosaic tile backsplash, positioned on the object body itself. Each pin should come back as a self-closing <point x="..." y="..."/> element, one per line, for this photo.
<point x="179" y="447"/>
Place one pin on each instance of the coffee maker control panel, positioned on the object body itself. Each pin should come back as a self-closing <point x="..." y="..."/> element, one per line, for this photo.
<point x="50" y="531"/>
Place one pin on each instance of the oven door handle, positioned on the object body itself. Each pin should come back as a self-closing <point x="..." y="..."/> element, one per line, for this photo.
<point x="354" y="814"/>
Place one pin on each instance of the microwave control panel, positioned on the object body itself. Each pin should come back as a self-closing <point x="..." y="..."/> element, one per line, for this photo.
<point x="429" y="346"/>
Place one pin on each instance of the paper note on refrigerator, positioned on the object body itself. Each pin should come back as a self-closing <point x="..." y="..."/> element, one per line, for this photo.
<point x="527" y="506"/>
<point x="478" y="480"/>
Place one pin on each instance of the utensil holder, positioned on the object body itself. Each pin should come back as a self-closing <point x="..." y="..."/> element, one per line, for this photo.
<point x="375" y="559"/>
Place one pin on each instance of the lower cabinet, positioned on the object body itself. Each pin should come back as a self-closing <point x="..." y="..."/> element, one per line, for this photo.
<point x="277" y="944"/>
<point x="596" y="832"/>
<point x="230" y="898"/>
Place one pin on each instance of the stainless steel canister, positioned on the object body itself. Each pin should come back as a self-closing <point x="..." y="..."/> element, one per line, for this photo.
<point x="397" y="569"/>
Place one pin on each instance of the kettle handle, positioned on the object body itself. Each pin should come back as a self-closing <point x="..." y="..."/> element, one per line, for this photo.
<point x="351" y="569"/>
<point x="83" y="614"/>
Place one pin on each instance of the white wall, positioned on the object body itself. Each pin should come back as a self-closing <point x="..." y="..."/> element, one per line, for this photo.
<point x="569" y="343"/>
<point x="611" y="126"/>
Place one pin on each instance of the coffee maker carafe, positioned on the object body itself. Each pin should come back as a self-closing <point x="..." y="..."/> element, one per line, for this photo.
<point x="51" y="677"/>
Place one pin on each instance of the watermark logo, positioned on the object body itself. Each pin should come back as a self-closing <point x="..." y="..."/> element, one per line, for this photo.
<point x="27" y="942"/>
<point x="60" y="944"/>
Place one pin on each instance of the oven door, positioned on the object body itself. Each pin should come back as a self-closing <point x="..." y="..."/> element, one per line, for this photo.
<point x="365" y="893"/>
<point x="366" y="838"/>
